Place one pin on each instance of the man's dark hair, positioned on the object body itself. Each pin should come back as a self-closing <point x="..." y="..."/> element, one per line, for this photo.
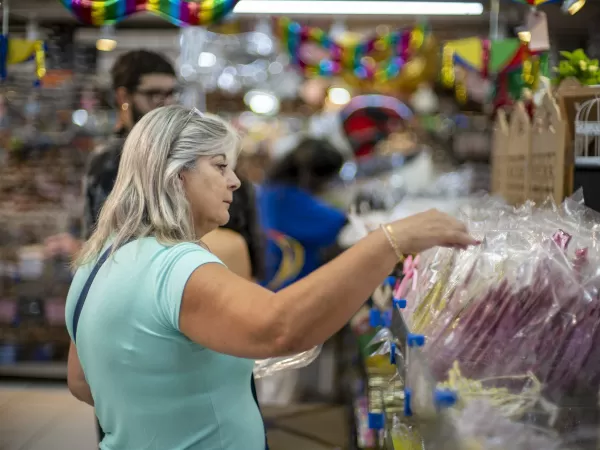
<point x="130" y="67"/>
<point x="310" y="166"/>
<point x="243" y="219"/>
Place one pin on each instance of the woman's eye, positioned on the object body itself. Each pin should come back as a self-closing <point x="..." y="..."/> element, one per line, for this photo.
<point x="222" y="167"/>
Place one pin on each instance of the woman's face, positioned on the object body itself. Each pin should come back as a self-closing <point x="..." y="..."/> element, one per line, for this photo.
<point x="209" y="189"/>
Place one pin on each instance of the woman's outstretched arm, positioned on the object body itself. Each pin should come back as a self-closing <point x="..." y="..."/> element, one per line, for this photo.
<point x="223" y="312"/>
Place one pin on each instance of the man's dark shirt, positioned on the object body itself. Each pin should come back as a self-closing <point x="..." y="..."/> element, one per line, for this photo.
<point x="99" y="180"/>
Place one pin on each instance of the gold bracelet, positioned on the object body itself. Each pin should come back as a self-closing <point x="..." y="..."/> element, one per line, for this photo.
<point x="389" y="234"/>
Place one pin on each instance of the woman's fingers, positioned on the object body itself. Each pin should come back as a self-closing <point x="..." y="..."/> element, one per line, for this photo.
<point x="430" y="229"/>
<point x="461" y="239"/>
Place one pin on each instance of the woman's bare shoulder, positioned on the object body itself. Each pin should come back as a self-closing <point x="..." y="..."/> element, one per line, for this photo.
<point x="225" y="239"/>
<point x="231" y="248"/>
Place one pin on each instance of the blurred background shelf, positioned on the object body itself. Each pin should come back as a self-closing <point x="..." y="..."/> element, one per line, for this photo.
<point x="48" y="370"/>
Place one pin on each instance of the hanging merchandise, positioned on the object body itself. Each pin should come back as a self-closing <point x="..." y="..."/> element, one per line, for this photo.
<point x="494" y="346"/>
<point x="354" y="56"/>
<point x="396" y="57"/>
<point x="536" y="35"/>
<point x="16" y="51"/>
<point x="484" y="56"/>
<point x="179" y="12"/>
<point x="510" y="62"/>
<point x="491" y="312"/>
<point x="370" y="119"/>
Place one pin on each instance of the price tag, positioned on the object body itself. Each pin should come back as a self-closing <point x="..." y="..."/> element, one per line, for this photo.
<point x="537" y="24"/>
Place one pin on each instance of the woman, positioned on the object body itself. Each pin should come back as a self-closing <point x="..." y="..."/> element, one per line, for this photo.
<point x="300" y="227"/>
<point x="167" y="334"/>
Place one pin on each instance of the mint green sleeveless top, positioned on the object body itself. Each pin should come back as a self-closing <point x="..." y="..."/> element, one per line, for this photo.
<point x="154" y="388"/>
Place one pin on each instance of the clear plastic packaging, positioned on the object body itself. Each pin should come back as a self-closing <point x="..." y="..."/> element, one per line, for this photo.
<point x="480" y="426"/>
<point x="266" y="367"/>
<point x="514" y="322"/>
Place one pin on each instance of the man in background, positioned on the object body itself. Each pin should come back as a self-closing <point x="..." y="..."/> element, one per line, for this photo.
<point x="142" y="81"/>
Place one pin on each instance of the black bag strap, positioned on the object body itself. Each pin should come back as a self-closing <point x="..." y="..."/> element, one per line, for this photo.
<point x="86" y="289"/>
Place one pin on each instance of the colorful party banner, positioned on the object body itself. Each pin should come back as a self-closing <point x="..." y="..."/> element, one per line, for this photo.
<point x="360" y="57"/>
<point x="179" y="12"/>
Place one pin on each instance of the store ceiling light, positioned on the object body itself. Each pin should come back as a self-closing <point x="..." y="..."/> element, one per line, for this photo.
<point x="263" y="103"/>
<point x="107" y="41"/>
<point x="384" y="8"/>
<point x="339" y="96"/>
<point x="80" y="117"/>
<point x="207" y="59"/>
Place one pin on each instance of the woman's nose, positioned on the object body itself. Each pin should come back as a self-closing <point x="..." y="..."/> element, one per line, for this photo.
<point x="234" y="182"/>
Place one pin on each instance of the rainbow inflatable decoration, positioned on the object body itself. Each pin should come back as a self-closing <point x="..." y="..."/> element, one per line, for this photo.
<point x="179" y="12"/>
<point x="536" y="2"/>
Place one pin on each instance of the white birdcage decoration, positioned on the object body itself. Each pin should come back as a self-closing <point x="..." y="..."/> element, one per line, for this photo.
<point x="587" y="128"/>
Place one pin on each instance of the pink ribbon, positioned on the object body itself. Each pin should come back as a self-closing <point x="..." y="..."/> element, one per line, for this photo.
<point x="410" y="272"/>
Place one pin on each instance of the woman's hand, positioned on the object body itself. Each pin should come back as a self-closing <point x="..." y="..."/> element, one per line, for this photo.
<point x="433" y="228"/>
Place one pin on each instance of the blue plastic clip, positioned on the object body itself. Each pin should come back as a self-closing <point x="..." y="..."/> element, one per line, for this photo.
<point x="415" y="340"/>
<point x="444" y="398"/>
<point x="390" y="281"/>
<point x="376" y="421"/>
<point x="399" y="303"/>
<point x="407" y="402"/>
<point x="386" y="319"/>
<point x="375" y="318"/>
<point x="393" y="353"/>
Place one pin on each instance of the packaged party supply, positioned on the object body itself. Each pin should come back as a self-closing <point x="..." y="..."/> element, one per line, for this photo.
<point x="515" y="321"/>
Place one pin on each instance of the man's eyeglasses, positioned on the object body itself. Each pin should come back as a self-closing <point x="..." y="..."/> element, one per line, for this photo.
<point x="160" y="95"/>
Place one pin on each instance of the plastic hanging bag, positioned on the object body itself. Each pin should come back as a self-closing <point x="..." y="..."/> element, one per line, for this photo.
<point x="405" y="436"/>
<point x="481" y="427"/>
<point x="530" y="304"/>
<point x="266" y="367"/>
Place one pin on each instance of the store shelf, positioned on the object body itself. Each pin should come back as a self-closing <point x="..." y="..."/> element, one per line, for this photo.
<point x="591" y="162"/>
<point x="48" y="370"/>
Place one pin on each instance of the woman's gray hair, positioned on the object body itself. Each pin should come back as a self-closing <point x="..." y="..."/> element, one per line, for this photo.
<point x="148" y="197"/>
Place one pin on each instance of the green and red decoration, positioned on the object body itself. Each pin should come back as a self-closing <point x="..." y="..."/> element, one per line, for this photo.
<point x="509" y="62"/>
